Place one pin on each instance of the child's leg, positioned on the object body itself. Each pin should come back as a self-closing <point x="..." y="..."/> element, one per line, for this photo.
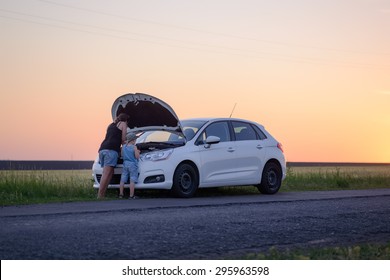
<point x="133" y="178"/>
<point x="124" y="178"/>
<point x="132" y="186"/>
<point x="121" y="187"/>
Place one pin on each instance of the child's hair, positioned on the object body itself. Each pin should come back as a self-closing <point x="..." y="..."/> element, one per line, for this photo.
<point x="130" y="137"/>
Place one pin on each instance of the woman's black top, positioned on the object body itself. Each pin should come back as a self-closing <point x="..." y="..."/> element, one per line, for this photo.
<point x="113" y="139"/>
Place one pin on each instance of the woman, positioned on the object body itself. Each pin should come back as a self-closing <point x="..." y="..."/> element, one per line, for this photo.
<point x="110" y="149"/>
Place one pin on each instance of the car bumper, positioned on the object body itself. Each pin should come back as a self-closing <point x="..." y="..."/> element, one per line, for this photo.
<point x="152" y="175"/>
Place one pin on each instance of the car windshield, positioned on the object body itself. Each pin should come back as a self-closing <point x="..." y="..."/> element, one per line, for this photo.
<point x="190" y="128"/>
<point x="157" y="136"/>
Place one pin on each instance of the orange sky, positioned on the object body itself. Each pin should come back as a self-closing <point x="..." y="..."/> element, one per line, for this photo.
<point x="316" y="74"/>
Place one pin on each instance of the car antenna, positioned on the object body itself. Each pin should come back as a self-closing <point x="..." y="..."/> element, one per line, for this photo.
<point x="234" y="107"/>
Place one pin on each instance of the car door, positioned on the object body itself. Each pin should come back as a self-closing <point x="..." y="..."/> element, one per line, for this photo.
<point x="218" y="166"/>
<point x="250" y="152"/>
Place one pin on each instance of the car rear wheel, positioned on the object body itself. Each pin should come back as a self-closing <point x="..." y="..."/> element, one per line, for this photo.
<point x="185" y="181"/>
<point x="271" y="180"/>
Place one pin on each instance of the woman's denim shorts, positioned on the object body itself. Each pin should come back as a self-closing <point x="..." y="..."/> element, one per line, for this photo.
<point x="108" y="158"/>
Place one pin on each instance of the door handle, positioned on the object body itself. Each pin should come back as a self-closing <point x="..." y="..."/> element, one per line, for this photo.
<point x="259" y="147"/>
<point x="230" y="150"/>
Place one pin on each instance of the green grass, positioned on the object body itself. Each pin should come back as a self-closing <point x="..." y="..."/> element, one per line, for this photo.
<point x="355" y="252"/>
<point x="42" y="186"/>
<point x="336" y="178"/>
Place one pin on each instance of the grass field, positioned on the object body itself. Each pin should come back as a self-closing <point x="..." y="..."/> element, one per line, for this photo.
<point x="337" y="177"/>
<point x="41" y="186"/>
<point x="355" y="252"/>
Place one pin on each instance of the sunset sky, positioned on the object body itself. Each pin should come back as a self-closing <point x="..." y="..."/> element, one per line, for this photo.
<point x="315" y="73"/>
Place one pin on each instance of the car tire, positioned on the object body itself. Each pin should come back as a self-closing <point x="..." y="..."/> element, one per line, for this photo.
<point x="271" y="180"/>
<point x="185" y="181"/>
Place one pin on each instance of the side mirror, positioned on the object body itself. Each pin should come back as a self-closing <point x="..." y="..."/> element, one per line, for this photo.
<point x="211" y="140"/>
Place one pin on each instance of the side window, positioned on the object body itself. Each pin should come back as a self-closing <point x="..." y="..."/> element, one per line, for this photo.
<point x="244" y="131"/>
<point x="219" y="129"/>
<point x="260" y="133"/>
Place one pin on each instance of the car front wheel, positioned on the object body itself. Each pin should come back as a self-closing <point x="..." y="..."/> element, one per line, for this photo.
<point x="271" y="180"/>
<point x="185" y="181"/>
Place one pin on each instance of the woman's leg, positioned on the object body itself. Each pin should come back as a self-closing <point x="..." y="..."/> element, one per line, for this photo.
<point x="108" y="171"/>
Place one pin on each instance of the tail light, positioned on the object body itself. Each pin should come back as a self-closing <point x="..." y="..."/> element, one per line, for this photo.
<point x="280" y="146"/>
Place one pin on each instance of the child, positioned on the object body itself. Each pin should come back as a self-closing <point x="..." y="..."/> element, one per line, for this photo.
<point x="130" y="154"/>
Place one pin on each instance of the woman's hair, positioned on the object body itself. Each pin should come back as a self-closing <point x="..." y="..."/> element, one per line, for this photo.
<point x="122" y="117"/>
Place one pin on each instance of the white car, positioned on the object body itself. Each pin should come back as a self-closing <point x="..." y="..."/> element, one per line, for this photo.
<point x="197" y="153"/>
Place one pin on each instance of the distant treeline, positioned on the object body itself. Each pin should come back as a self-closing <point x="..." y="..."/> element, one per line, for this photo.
<point x="45" y="164"/>
<point x="87" y="164"/>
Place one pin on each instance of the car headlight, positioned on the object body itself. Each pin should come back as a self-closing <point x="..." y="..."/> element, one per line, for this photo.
<point x="155" y="156"/>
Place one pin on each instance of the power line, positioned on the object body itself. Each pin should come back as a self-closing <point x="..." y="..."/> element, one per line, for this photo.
<point x="205" y="31"/>
<point x="264" y="55"/>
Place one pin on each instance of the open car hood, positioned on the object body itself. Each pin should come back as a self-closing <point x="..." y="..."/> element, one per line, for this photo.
<point x="146" y="113"/>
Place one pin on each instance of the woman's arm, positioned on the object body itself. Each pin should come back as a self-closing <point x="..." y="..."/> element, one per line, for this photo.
<point x="123" y="127"/>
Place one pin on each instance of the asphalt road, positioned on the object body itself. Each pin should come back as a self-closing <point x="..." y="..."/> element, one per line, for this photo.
<point x="197" y="228"/>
